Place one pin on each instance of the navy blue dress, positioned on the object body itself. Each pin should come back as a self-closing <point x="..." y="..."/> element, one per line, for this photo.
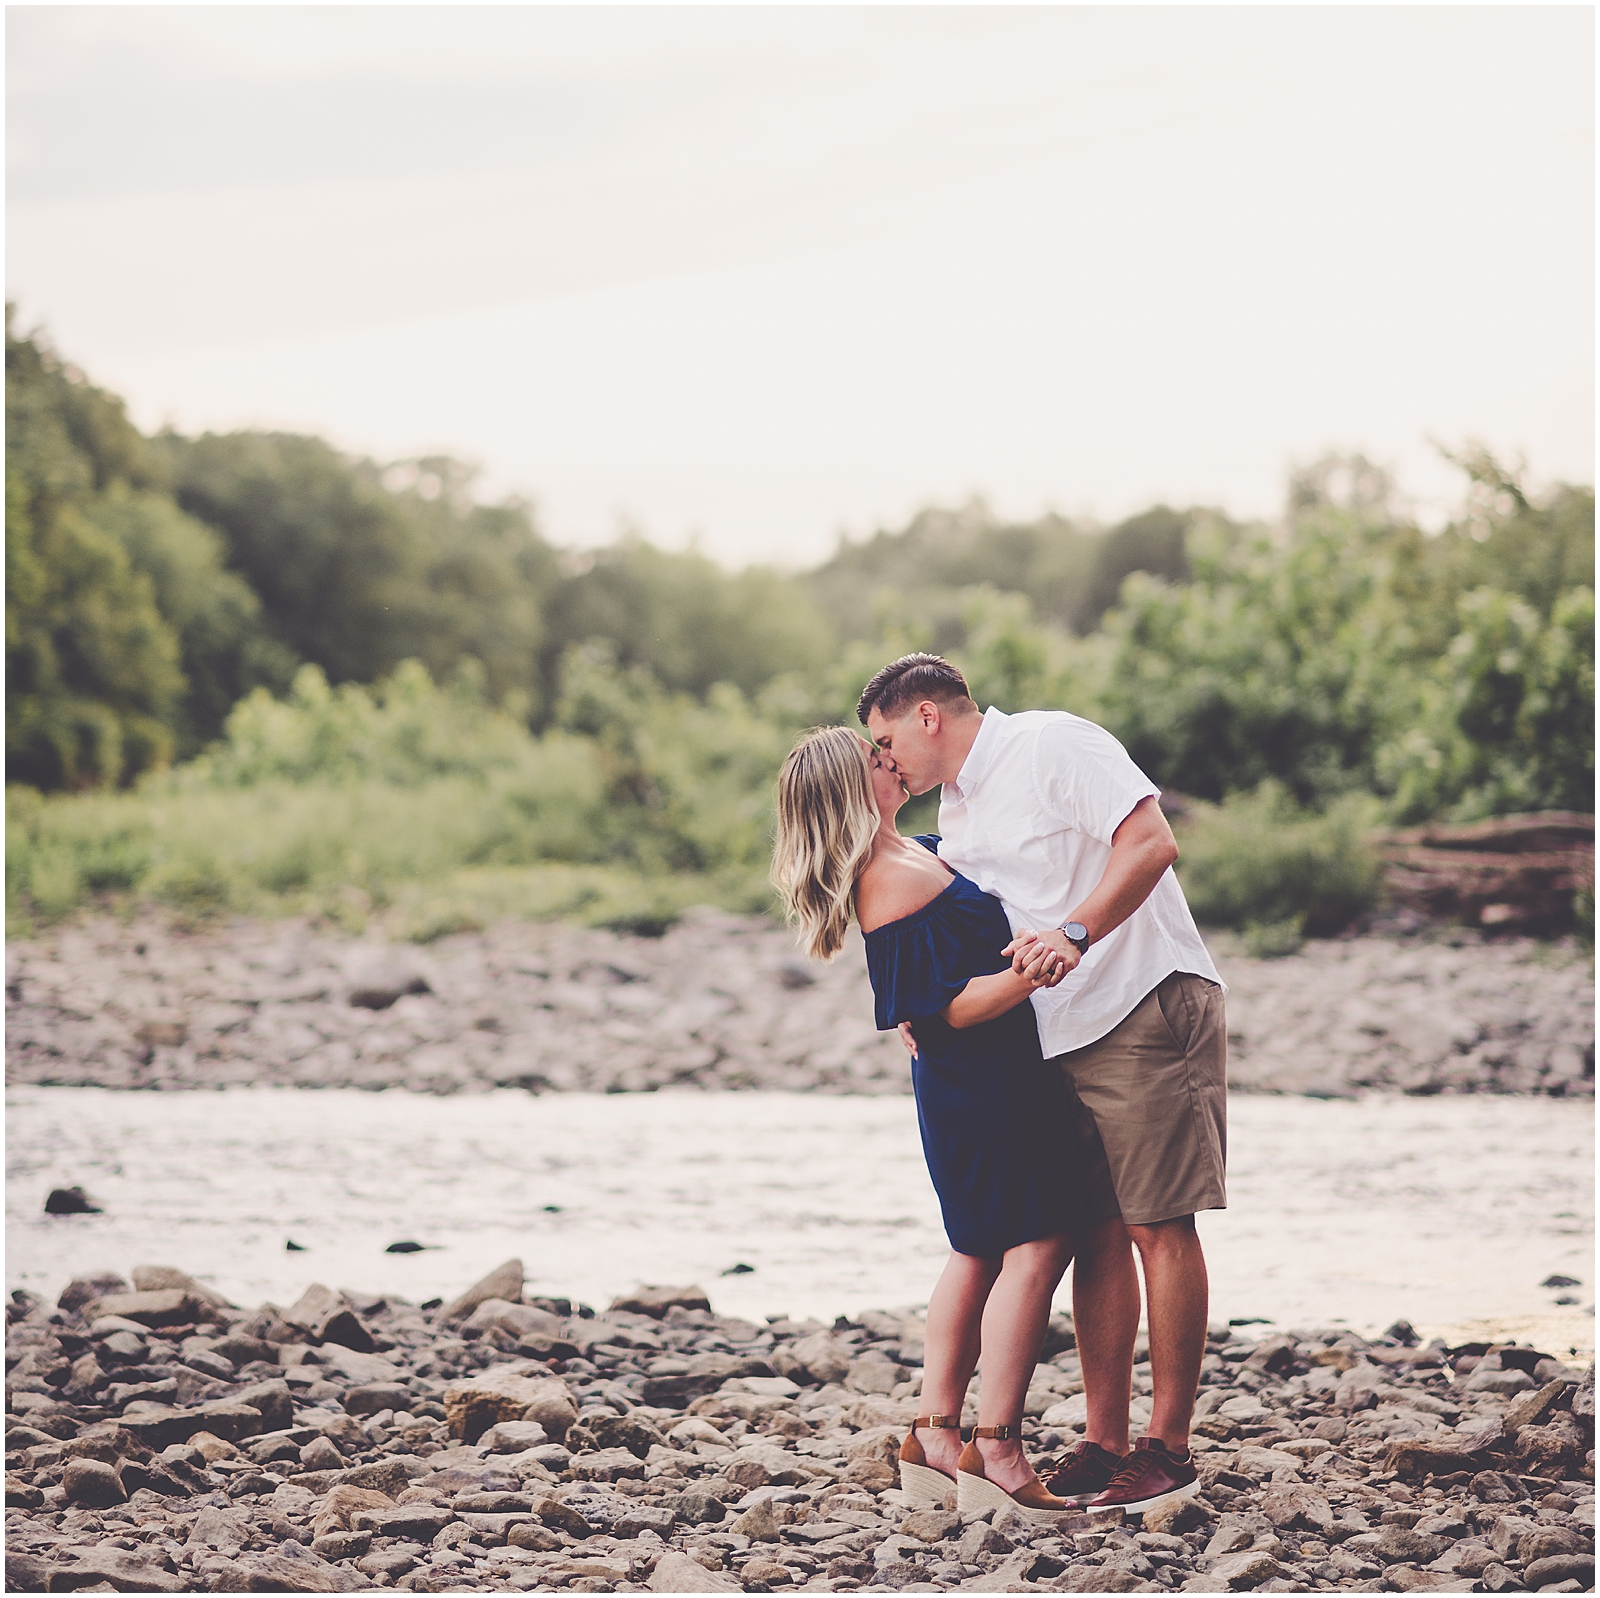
<point x="996" y="1120"/>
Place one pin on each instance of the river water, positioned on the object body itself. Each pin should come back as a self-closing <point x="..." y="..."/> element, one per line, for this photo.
<point x="1448" y="1211"/>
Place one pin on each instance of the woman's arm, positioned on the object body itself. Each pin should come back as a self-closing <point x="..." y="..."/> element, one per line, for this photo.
<point x="984" y="998"/>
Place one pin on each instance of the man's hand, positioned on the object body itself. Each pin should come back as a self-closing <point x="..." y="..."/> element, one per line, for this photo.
<point x="907" y="1038"/>
<point x="1053" y="957"/>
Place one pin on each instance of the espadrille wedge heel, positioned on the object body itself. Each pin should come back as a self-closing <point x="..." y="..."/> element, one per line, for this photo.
<point x="976" y="1493"/>
<point x="925" y="1487"/>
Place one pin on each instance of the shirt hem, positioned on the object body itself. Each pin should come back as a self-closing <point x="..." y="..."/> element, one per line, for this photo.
<point x="1056" y="1054"/>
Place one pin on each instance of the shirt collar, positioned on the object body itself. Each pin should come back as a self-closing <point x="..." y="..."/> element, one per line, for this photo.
<point x="981" y="755"/>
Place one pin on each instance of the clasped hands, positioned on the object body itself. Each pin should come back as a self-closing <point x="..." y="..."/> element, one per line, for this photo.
<point x="1042" y="959"/>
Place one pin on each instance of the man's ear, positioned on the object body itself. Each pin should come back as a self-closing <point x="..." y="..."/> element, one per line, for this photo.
<point x="928" y="710"/>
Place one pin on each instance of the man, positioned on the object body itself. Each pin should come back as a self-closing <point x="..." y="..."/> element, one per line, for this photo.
<point x="1046" y="811"/>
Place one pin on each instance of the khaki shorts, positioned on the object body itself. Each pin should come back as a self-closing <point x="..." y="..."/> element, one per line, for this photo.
<point x="1155" y="1094"/>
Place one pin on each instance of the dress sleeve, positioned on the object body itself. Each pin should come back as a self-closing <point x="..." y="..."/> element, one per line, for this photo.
<point x="916" y="968"/>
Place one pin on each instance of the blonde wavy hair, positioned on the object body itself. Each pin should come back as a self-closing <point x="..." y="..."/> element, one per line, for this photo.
<point x="826" y="824"/>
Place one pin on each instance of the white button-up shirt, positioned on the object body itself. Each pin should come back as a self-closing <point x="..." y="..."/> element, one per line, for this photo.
<point x="1030" y="819"/>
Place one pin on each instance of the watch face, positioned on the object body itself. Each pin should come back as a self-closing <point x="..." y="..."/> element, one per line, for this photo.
<point x="1076" y="931"/>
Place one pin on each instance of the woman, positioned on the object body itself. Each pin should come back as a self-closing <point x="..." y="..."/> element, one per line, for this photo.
<point x="994" y="1119"/>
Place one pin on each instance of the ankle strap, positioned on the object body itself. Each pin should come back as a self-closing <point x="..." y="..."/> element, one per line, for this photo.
<point x="1000" y="1432"/>
<point x="938" y="1423"/>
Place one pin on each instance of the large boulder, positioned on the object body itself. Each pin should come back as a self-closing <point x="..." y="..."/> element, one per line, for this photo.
<point x="506" y="1392"/>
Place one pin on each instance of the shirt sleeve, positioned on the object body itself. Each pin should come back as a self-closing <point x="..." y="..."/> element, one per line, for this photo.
<point x="1085" y="778"/>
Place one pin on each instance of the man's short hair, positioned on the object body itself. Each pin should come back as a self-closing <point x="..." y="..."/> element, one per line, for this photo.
<point x="908" y="681"/>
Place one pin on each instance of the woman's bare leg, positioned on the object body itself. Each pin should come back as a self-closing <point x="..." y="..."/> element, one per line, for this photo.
<point x="950" y="1355"/>
<point x="1013" y="1333"/>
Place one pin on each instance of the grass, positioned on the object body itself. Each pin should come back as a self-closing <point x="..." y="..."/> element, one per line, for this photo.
<point x="1261" y="865"/>
<point x="447" y="855"/>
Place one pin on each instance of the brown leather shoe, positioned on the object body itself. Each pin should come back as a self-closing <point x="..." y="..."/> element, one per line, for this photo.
<point x="1150" y="1475"/>
<point x="975" y="1492"/>
<point x="1083" y="1473"/>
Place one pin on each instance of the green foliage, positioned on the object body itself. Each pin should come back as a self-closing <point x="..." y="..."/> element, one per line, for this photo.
<point x="1262" y="864"/>
<point x="358" y="566"/>
<point x="687" y="622"/>
<point x="687" y="783"/>
<point x="402" y="730"/>
<point x="92" y="672"/>
<point x="409" y="794"/>
<point x="222" y="650"/>
<point x="1505" y="719"/>
<point x="393" y="700"/>
<point x="127" y="640"/>
<point x="1070" y="575"/>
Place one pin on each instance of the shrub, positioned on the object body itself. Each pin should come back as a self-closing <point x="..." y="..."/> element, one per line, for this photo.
<point x="1261" y="864"/>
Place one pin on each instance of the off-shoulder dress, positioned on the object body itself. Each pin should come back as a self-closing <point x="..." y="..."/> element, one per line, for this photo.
<point x="996" y="1120"/>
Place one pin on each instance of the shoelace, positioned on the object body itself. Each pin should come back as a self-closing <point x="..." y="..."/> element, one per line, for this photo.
<point x="1131" y="1468"/>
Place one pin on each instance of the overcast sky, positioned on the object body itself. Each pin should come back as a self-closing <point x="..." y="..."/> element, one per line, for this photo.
<point x="762" y="275"/>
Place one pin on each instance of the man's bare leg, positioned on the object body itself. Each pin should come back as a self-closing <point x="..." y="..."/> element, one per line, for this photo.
<point x="1105" y="1316"/>
<point x="1178" y="1294"/>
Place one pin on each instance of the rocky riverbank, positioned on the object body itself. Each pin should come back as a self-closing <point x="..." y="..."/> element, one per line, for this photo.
<point x="721" y="1001"/>
<point x="159" y="1440"/>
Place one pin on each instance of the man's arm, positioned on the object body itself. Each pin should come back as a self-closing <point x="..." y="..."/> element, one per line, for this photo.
<point x="1142" y="848"/>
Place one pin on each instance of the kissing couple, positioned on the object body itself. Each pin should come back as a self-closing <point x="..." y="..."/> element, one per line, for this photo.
<point x="1068" y="1056"/>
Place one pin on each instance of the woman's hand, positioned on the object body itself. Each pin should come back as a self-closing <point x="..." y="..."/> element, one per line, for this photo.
<point x="1051" y="955"/>
<point x="908" y="1038"/>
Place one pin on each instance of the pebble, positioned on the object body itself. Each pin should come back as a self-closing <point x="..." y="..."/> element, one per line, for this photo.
<point x="716" y="1004"/>
<point x="480" y="1463"/>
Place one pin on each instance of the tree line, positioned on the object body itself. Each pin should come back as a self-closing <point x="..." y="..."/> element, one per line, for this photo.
<point x="157" y="586"/>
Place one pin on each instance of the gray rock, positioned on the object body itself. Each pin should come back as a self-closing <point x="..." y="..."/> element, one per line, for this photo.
<point x="656" y="1301"/>
<point x="1558" y="1568"/>
<point x="161" y="1278"/>
<point x="511" y="1437"/>
<point x="822" y="1357"/>
<point x="321" y="1454"/>
<point x="1242" y="1571"/>
<point x="1583" y="1398"/>
<point x="1486" y="1379"/>
<point x="677" y="1572"/>
<point x="286" y="1571"/>
<point x="422" y="1521"/>
<point x="337" y="1545"/>
<point x="329" y="1317"/>
<point x="503" y="1282"/>
<point x="83" y="1290"/>
<point x="92" y="1483"/>
<point x="371" y="1398"/>
<point x="123" y="1570"/>
<point x="167" y="1307"/>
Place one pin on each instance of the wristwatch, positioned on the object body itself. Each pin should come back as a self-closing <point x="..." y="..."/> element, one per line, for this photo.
<point x="1077" y="934"/>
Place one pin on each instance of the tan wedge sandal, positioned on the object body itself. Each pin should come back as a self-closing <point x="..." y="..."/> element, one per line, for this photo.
<point x="925" y="1487"/>
<point x="976" y="1493"/>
